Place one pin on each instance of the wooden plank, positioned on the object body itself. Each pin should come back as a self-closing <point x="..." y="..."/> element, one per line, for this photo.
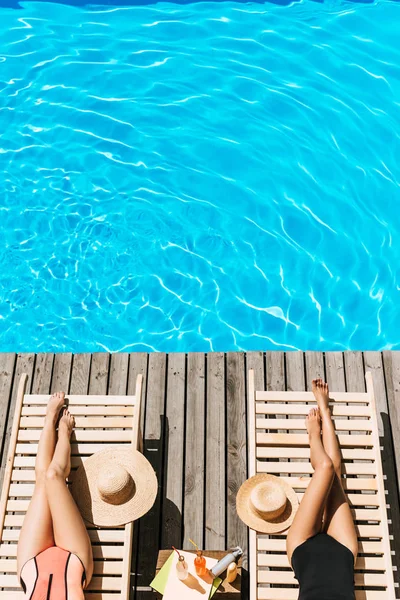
<point x="381" y="491"/>
<point x="150" y="525"/>
<point x="215" y="492"/>
<point x="236" y="448"/>
<point x="76" y="449"/>
<point x="275" y="362"/>
<point x="6" y="487"/>
<point x="255" y="381"/>
<point x="295" y="377"/>
<point x="348" y="398"/>
<point x="19" y="595"/>
<point x="373" y="361"/>
<point x="293" y="439"/>
<point x="265" y="593"/>
<point x="305" y="467"/>
<point x="294" y="408"/>
<point x="299" y="424"/>
<point x="289" y="452"/>
<point x="295" y="381"/>
<point x="82" y="409"/>
<point x="391" y="361"/>
<point x="7" y="365"/>
<point x="314" y="367"/>
<point x="275" y="370"/>
<point x="61" y="372"/>
<point x="335" y="376"/>
<point x="117" y="385"/>
<point x="91" y="400"/>
<point x="85" y="435"/>
<point x="80" y="374"/>
<point x="118" y="379"/>
<point x="99" y="373"/>
<point x="354" y="369"/>
<point x="193" y="508"/>
<point x="303" y="482"/>
<point x="172" y="527"/>
<point x="138" y="364"/>
<point x="24" y="364"/>
<point x="42" y="374"/>
<point x="29" y="462"/>
<point x="89" y="422"/>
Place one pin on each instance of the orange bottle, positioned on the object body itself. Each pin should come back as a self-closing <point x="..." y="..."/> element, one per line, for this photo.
<point x="200" y="564"/>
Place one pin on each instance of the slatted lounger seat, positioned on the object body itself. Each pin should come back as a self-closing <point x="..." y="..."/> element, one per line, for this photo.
<point x="278" y="444"/>
<point x="100" y="421"/>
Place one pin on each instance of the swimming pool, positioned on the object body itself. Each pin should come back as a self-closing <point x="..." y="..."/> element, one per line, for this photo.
<point x="206" y="176"/>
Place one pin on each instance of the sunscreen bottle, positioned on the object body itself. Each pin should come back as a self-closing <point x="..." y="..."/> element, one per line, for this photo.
<point x="224" y="563"/>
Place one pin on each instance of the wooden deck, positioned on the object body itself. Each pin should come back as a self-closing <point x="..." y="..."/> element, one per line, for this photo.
<point x="194" y="422"/>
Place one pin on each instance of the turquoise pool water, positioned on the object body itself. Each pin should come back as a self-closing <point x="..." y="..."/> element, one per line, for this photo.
<point x="207" y="176"/>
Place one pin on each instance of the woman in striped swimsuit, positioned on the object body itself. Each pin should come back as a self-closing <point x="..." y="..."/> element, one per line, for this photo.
<point x="54" y="557"/>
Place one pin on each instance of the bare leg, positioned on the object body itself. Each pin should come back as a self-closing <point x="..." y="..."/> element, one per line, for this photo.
<point x="37" y="530"/>
<point x="69" y="529"/>
<point x="329" y="439"/>
<point x="338" y="520"/>
<point x="308" y="519"/>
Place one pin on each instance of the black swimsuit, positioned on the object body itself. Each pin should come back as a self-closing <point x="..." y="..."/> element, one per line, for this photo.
<point x="324" y="569"/>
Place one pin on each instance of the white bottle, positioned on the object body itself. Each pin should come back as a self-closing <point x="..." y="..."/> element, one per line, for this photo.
<point x="224" y="563"/>
<point x="182" y="570"/>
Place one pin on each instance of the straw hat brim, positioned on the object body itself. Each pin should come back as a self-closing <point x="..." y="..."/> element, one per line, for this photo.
<point x="252" y="519"/>
<point x="86" y="494"/>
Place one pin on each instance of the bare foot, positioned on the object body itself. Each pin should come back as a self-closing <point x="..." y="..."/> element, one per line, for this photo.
<point x="313" y="422"/>
<point x="54" y="405"/>
<point x="67" y="423"/>
<point x="66" y="426"/>
<point x="321" y="392"/>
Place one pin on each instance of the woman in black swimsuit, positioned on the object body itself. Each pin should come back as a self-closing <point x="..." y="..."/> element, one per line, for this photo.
<point x="322" y="542"/>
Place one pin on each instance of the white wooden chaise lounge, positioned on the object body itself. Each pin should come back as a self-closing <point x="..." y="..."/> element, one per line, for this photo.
<point x="100" y="421"/>
<point x="287" y="454"/>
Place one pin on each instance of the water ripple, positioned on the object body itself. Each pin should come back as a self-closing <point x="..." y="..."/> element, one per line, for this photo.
<point x="214" y="176"/>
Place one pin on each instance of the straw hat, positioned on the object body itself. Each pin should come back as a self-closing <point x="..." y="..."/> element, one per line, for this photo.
<point x="114" y="486"/>
<point x="266" y="503"/>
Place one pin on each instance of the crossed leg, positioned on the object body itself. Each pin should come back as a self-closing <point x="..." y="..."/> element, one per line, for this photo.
<point x="338" y="520"/>
<point x="36" y="533"/>
<point x="69" y="528"/>
<point x="308" y="519"/>
<point x="325" y="505"/>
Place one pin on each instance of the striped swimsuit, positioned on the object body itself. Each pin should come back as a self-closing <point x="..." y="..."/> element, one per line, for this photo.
<point x="48" y="575"/>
